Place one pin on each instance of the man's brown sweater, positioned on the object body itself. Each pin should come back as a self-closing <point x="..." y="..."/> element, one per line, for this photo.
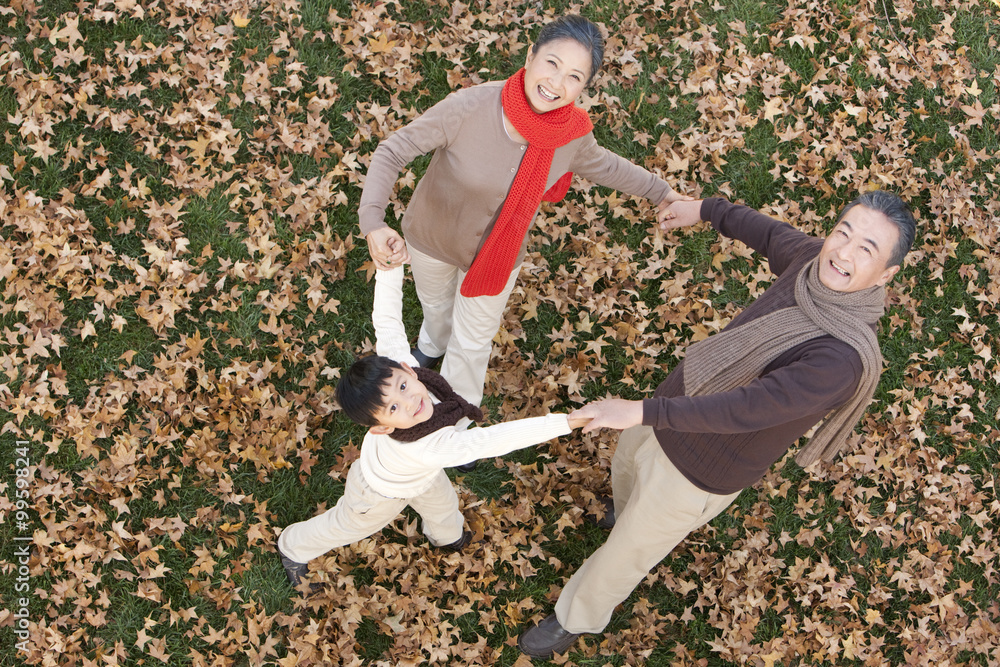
<point x="725" y="442"/>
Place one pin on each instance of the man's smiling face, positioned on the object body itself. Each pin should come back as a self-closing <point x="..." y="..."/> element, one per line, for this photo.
<point x="856" y="253"/>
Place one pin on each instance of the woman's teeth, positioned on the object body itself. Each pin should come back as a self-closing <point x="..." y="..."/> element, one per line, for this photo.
<point x="547" y="95"/>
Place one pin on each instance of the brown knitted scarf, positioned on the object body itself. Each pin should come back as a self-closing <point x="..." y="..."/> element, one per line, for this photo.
<point x="734" y="357"/>
<point x="447" y="412"/>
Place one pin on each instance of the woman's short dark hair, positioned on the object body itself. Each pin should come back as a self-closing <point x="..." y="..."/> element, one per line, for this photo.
<point x="897" y="212"/>
<point x="579" y="30"/>
<point x="359" y="390"/>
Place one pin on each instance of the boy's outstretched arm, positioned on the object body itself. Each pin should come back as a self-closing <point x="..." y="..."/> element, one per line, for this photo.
<point x="387" y="317"/>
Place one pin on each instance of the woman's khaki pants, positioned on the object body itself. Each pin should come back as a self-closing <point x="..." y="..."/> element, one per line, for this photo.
<point x="655" y="508"/>
<point x="461" y="328"/>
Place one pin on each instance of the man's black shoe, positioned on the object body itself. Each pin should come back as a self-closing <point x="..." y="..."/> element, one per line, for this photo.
<point x="424" y="360"/>
<point x="458" y="544"/>
<point x="295" y="571"/>
<point x="546" y="638"/>
<point x="467" y="467"/>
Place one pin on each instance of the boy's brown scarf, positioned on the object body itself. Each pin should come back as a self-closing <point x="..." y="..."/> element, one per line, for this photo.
<point x="451" y="408"/>
<point x="735" y="357"/>
<point x="544" y="133"/>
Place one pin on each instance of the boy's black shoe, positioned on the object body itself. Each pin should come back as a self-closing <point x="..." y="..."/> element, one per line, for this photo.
<point x="608" y="522"/>
<point x="295" y="571"/>
<point x="458" y="544"/>
<point x="424" y="360"/>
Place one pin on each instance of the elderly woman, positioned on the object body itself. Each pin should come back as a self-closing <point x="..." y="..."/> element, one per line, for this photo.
<point x="500" y="149"/>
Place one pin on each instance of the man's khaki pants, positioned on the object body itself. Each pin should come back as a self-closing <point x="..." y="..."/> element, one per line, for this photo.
<point x="461" y="328"/>
<point x="362" y="512"/>
<point x="655" y="508"/>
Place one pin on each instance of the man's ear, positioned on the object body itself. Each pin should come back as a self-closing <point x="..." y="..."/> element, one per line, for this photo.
<point x="889" y="273"/>
<point x="381" y="429"/>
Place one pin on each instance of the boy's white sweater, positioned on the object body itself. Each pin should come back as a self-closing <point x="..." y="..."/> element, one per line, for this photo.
<point x="406" y="469"/>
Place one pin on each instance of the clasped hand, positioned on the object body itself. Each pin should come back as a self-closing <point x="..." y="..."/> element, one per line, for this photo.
<point x="387" y="248"/>
<point x="614" y="413"/>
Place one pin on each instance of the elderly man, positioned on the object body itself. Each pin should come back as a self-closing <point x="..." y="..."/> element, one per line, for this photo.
<point x="804" y="352"/>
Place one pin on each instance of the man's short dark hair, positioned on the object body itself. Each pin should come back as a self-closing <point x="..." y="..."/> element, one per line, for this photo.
<point x="897" y="212"/>
<point x="360" y="390"/>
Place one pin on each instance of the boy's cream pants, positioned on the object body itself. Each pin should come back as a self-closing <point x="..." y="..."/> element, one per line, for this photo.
<point x="361" y="512"/>
<point x="655" y="508"/>
<point x="461" y="328"/>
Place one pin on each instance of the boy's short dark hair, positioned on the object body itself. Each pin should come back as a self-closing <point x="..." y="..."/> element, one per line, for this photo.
<point x="359" y="391"/>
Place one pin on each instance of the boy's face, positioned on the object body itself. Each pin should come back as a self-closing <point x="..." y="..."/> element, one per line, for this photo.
<point x="406" y="402"/>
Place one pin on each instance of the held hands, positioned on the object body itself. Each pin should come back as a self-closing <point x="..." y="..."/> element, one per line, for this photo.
<point x="614" y="413"/>
<point x="387" y="248"/>
<point x="663" y="210"/>
<point x="681" y="212"/>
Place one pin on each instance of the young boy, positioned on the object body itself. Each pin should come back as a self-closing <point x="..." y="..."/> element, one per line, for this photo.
<point x="417" y="428"/>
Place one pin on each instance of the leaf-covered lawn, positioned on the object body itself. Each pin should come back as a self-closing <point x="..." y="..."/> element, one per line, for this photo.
<point x="182" y="283"/>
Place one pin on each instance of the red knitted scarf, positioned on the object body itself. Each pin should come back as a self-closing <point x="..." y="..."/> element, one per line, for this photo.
<point x="545" y="133"/>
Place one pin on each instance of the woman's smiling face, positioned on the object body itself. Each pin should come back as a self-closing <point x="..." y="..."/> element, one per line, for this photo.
<point x="555" y="74"/>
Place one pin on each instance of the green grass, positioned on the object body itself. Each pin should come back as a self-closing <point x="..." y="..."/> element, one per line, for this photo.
<point x="930" y="502"/>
